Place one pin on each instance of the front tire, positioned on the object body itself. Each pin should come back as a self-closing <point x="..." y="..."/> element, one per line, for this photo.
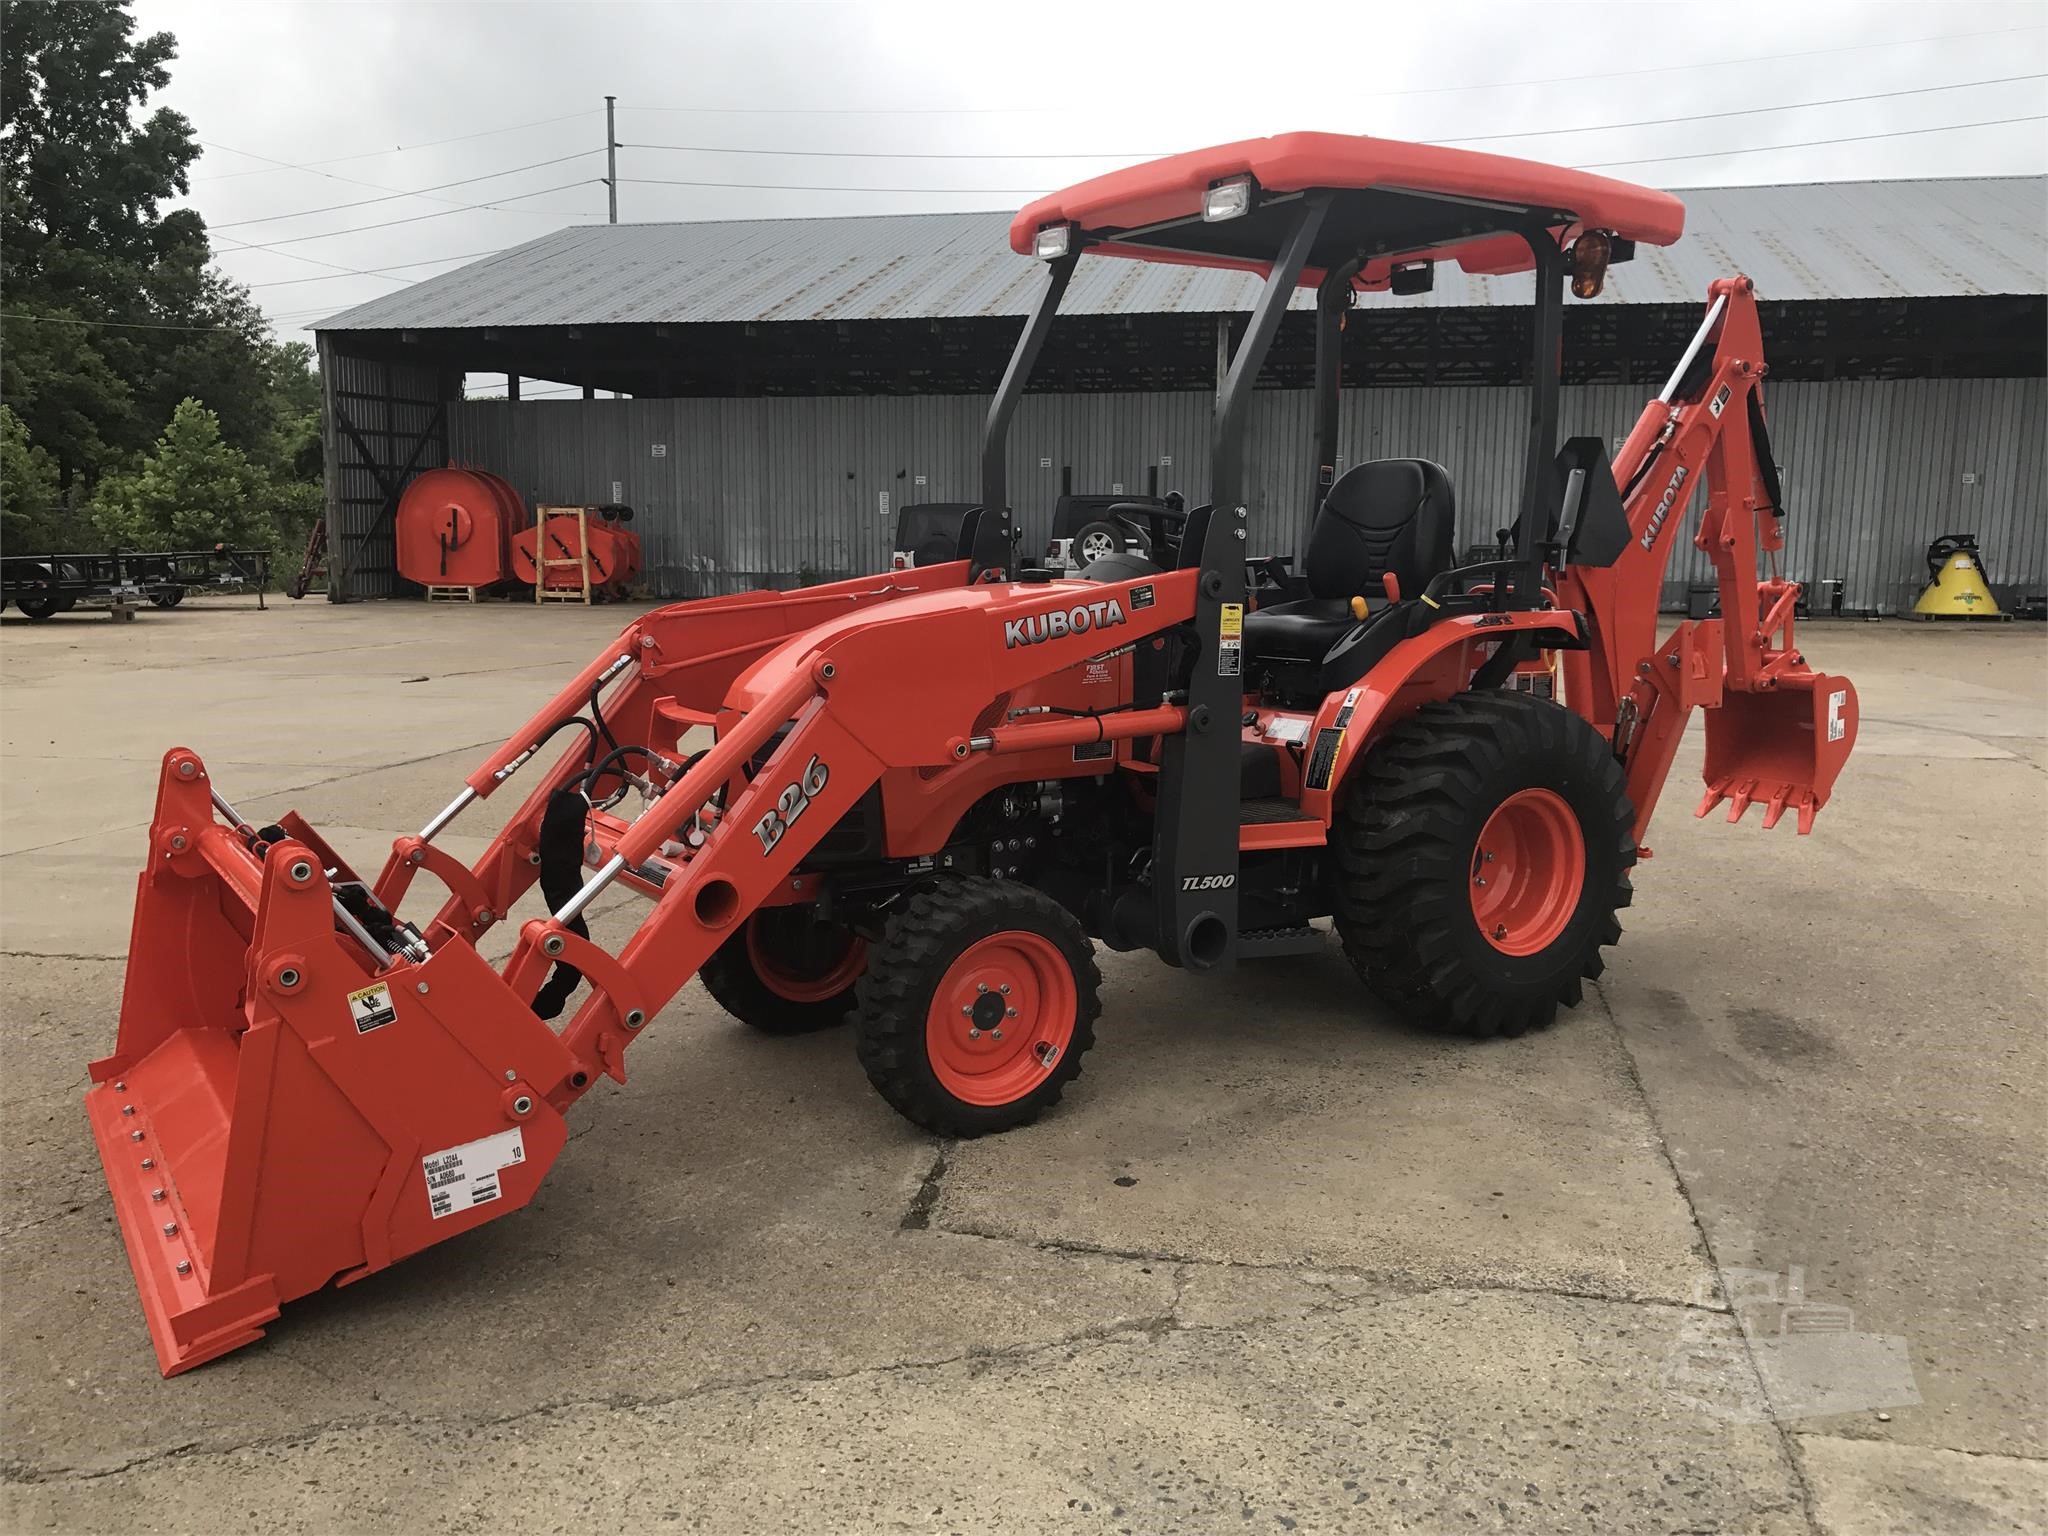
<point x="1483" y="850"/>
<point x="977" y="1006"/>
<point x="786" y="973"/>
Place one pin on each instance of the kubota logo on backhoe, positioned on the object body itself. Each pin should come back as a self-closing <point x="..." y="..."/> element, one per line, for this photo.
<point x="1061" y="622"/>
<point x="1664" y="507"/>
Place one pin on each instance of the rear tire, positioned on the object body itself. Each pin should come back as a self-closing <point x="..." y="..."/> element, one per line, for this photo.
<point x="1482" y="852"/>
<point x="168" y="597"/>
<point x="785" y="973"/>
<point x="977" y="1006"/>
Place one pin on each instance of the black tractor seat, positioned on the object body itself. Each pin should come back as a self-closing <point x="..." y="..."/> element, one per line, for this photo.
<point x="1388" y="516"/>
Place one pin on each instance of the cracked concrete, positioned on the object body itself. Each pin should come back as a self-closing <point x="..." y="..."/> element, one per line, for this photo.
<point x="1277" y="1263"/>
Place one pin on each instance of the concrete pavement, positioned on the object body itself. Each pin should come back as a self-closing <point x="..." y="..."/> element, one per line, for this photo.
<point x="1278" y="1262"/>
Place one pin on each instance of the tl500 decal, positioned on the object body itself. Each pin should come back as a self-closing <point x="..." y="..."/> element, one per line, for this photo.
<point x="794" y="800"/>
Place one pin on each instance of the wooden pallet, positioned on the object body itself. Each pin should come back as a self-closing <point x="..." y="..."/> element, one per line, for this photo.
<point x="580" y="561"/>
<point x="454" y="594"/>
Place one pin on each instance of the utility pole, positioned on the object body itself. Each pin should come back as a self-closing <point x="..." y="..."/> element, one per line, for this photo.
<point x="611" y="156"/>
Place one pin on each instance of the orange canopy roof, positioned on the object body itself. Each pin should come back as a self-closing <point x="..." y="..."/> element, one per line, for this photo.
<point x="1476" y="193"/>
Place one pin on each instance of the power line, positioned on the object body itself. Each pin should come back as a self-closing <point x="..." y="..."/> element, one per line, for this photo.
<point x="287" y="282"/>
<point x="1665" y="69"/>
<point x="887" y="154"/>
<point x="372" y="154"/>
<point x="357" y="229"/>
<point x="1698" y="117"/>
<point x="1854" y="138"/>
<point x="123" y="325"/>
<point x="765" y="186"/>
<point x="272" y="218"/>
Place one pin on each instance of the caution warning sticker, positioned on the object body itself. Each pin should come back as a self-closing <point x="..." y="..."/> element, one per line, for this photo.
<point x="371" y="1008"/>
<point x="1230" y="641"/>
<point x="467" y="1176"/>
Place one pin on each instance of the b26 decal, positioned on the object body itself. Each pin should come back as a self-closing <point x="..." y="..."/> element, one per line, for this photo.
<point x="794" y="800"/>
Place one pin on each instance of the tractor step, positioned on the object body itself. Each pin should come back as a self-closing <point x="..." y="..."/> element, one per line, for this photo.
<point x="1277" y="823"/>
<point x="1271" y="943"/>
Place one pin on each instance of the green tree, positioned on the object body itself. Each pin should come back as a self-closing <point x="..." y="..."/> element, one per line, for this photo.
<point x="193" y="490"/>
<point x="115" y="314"/>
<point x="31" y="505"/>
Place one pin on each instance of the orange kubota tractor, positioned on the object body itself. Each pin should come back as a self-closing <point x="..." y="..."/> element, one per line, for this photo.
<point x="1195" y="753"/>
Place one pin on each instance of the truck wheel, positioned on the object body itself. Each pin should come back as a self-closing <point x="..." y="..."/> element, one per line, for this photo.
<point x="786" y="973"/>
<point x="40" y="605"/>
<point x="977" y="1006"/>
<point x="1482" y="852"/>
<point x="1097" y="541"/>
<point x="167" y="597"/>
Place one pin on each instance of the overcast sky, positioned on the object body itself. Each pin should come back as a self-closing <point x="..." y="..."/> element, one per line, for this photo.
<point x="1018" y="98"/>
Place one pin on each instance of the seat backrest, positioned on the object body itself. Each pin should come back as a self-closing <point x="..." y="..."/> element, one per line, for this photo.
<point x="1389" y="515"/>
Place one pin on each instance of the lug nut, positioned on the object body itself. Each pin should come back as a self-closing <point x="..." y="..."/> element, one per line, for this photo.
<point x="997" y="1033"/>
<point x="1500" y="930"/>
<point x="135" y="1135"/>
<point x="149" y="1162"/>
<point x="184" y="1266"/>
<point x="127" y="1109"/>
<point x="981" y="986"/>
<point x="974" y="1034"/>
<point x="1004" y="989"/>
<point x="156" y="1194"/>
<point x="170" y="1229"/>
<point x="1009" y="1013"/>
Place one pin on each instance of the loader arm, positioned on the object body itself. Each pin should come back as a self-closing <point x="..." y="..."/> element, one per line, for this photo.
<point x="1777" y="732"/>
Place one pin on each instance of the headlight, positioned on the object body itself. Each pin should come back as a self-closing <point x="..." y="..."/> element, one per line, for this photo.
<point x="1227" y="200"/>
<point x="1051" y="242"/>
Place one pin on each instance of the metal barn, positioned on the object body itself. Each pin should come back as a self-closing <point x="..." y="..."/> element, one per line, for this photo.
<point x="789" y="384"/>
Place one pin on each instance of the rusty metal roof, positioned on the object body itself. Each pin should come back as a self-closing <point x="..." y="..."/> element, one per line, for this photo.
<point x="1824" y="240"/>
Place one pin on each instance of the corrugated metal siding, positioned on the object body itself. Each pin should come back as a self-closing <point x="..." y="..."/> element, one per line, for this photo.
<point x="760" y="491"/>
<point x="1833" y="240"/>
<point x="388" y="404"/>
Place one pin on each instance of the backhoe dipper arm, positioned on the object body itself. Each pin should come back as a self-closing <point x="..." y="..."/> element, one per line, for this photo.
<point x="1777" y="731"/>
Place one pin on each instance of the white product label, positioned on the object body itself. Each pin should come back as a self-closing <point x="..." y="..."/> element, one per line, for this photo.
<point x="467" y="1175"/>
<point x="883" y="498"/>
<point x="1837" y="726"/>
<point x="370" y="1008"/>
<point x="1288" y="730"/>
<point x="660" y="450"/>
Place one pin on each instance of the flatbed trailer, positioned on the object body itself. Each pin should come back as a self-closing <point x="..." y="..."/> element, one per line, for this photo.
<point x="43" y="586"/>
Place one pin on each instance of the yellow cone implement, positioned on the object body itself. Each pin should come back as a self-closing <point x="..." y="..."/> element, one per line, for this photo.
<point x="1956" y="588"/>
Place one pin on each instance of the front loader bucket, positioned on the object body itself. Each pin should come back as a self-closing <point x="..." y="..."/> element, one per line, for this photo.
<point x="288" y="1106"/>
<point x="1780" y="748"/>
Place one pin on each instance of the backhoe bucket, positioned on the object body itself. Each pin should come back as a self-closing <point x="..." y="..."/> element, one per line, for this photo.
<point x="289" y="1103"/>
<point x="1780" y="748"/>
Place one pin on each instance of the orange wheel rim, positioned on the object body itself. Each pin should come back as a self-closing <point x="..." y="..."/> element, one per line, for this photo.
<point x="816" y="972"/>
<point x="1528" y="869"/>
<point x="1001" y="1018"/>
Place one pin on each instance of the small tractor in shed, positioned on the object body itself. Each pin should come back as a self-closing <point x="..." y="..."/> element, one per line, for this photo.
<point x="919" y="799"/>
